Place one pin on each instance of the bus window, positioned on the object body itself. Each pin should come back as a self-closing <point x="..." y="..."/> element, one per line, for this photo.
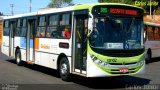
<point x="53" y="20"/>
<point x="150" y="33"/>
<point x="64" y="21"/>
<point x="24" y="28"/>
<point x="40" y="32"/>
<point x="66" y="32"/>
<point x="41" y="26"/>
<point x="6" y="28"/>
<point x="18" y="29"/>
<point x="52" y="26"/>
<point x="51" y="32"/>
<point x="156" y="34"/>
<point x="159" y="32"/>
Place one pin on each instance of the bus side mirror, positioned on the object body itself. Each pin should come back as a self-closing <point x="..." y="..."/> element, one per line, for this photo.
<point x="89" y="32"/>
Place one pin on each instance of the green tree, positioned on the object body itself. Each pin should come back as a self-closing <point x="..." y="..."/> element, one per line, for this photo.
<point x="59" y="3"/>
<point x="158" y="10"/>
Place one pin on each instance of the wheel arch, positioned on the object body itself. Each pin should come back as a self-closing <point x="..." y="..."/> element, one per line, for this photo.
<point x="149" y="51"/>
<point x="59" y="59"/>
<point x="17" y="48"/>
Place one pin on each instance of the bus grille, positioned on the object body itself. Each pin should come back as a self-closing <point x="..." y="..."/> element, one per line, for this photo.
<point x="122" y="63"/>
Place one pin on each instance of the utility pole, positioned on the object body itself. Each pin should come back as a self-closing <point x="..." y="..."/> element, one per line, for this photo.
<point x="30" y="7"/>
<point x="12" y="5"/>
<point x="150" y="9"/>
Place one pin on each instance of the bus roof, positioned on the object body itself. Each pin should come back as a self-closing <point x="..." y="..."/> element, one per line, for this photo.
<point x="64" y="9"/>
<point x="20" y="15"/>
<point x="90" y="6"/>
<point x="152" y="24"/>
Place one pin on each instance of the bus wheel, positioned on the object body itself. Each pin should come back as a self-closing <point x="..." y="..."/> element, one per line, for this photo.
<point x="18" y="58"/>
<point x="148" y="56"/>
<point x="64" y="69"/>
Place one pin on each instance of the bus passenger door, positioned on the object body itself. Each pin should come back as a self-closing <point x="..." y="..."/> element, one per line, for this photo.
<point x="80" y="42"/>
<point x="11" y="38"/>
<point x="30" y="41"/>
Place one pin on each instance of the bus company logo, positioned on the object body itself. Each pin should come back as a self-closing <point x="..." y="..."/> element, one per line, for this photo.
<point x="111" y="60"/>
<point x="45" y="46"/>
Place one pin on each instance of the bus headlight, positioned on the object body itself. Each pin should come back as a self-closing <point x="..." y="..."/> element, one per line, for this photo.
<point x="99" y="62"/>
<point x="140" y="63"/>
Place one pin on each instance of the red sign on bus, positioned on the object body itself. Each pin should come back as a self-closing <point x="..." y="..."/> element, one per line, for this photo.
<point x="123" y="11"/>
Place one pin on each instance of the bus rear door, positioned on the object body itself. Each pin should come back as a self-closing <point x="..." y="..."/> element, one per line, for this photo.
<point x="30" y="41"/>
<point x="11" y="37"/>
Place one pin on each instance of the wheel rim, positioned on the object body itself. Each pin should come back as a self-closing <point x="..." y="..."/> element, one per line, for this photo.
<point x="63" y="69"/>
<point x="18" y="59"/>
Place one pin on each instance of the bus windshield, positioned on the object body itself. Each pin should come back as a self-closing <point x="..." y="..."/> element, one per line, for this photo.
<point x="117" y="33"/>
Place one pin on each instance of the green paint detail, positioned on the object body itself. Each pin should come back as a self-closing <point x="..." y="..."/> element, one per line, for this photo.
<point x="111" y="70"/>
<point x="90" y="6"/>
<point x="103" y="58"/>
<point x="104" y="10"/>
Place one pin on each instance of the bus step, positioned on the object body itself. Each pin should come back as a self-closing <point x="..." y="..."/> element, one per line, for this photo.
<point x="76" y="73"/>
<point x="30" y="62"/>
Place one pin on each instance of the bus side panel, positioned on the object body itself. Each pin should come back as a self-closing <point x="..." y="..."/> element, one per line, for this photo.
<point x="5" y="45"/>
<point x="47" y="51"/>
<point x="16" y="44"/>
<point x="154" y="46"/>
<point x="93" y="70"/>
<point x="23" y="48"/>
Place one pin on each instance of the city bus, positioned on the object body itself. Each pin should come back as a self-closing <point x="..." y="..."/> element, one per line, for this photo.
<point x="152" y="40"/>
<point x="103" y="39"/>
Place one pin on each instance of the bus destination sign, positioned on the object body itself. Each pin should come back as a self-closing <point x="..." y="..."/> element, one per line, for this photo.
<point x="103" y="10"/>
<point x="123" y="11"/>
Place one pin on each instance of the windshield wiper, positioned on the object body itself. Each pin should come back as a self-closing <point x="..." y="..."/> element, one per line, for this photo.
<point x="114" y="23"/>
<point x="133" y="19"/>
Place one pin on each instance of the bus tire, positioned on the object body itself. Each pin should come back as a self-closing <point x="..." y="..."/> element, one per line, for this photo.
<point x="64" y="69"/>
<point x="148" y="55"/>
<point x="18" y="58"/>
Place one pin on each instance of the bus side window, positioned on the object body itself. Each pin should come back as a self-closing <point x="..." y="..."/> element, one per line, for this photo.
<point x="156" y="35"/>
<point x="24" y="28"/>
<point x="40" y="32"/>
<point x="41" y="27"/>
<point x="52" y="26"/>
<point x="150" y="33"/>
<point x="18" y="28"/>
<point x="66" y="32"/>
<point x="51" y="32"/>
<point x="159" y="32"/>
<point x="6" y="28"/>
<point x="64" y="23"/>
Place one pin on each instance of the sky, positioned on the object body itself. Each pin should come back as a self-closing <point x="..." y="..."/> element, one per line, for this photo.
<point x="22" y="6"/>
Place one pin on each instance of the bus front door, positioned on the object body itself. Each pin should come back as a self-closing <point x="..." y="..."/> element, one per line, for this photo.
<point x="80" y="43"/>
<point x="11" y="38"/>
<point x="30" y="42"/>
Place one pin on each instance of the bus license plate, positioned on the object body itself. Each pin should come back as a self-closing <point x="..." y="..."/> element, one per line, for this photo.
<point x="123" y="70"/>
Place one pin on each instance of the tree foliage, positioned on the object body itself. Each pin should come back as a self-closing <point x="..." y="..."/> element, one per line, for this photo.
<point x="59" y="3"/>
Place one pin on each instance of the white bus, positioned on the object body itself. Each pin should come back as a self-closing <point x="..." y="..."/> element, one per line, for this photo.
<point x="152" y="40"/>
<point x="91" y="40"/>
